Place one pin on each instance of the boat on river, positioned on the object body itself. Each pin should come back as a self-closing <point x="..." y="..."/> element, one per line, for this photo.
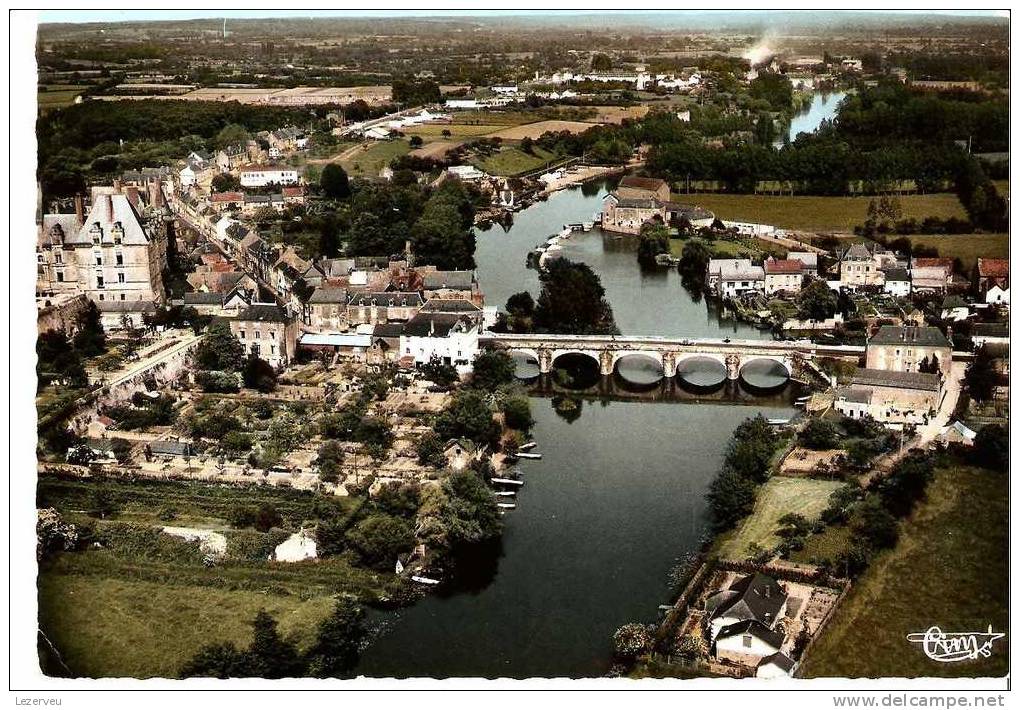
<point x="424" y="580"/>
<point x="506" y="506"/>
<point x="527" y="446"/>
<point x="507" y="481"/>
<point x="505" y="494"/>
<point x="778" y="422"/>
<point x="528" y="455"/>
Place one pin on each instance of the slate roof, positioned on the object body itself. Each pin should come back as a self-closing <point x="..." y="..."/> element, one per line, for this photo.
<point x="990" y="330"/>
<point x="329" y="295"/>
<point x="449" y="279"/>
<point x="755" y="596"/>
<point x="856" y="251"/>
<point x="135" y="306"/>
<point x="779" y="660"/>
<point x="897" y="274"/>
<point x="854" y="394"/>
<point x="171" y="448"/>
<point x="67" y="227"/>
<point x="449" y="305"/>
<point x="263" y="312"/>
<point x="755" y="628"/>
<point x="203" y="298"/>
<point x="437" y="325"/>
<point x="868" y="377"/>
<point x="389" y="299"/>
<point x="928" y="336"/>
<point x="108" y="209"/>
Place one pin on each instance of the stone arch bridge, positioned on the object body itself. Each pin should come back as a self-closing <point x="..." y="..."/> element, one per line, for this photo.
<point x="669" y="353"/>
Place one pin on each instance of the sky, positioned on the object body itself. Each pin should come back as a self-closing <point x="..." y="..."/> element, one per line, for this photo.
<point x="150" y="15"/>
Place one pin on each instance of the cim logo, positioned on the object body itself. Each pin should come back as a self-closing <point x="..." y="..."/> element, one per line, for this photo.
<point x="944" y="647"/>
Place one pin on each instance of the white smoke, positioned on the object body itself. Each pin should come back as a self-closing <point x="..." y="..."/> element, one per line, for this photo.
<point x="761" y="50"/>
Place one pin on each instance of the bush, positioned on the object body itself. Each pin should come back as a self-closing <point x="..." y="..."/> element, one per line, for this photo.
<point x="430" y="450"/>
<point x="991" y="448"/>
<point x="819" y="434"/>
<point x="517" y="413"/>
<point x="630" y="641"/>
<point x="259" y="374"/>
<point x="378" y="539"/>
<point x="216" y="381"/>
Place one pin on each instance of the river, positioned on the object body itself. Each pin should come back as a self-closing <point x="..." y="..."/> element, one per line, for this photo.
<point x="823" y="107"/>
<point x="617" y="497"/>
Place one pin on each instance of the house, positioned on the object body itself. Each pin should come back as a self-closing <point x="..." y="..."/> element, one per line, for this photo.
<point x="457" y="306"/>
<point x="889" y="396"/>
<point x="989" y="333"/>
<point x="460" y="453"/>
<point x="909" y="348"/>
<point x="931" y="275"/>
<point x="220" y="201"/>
<point x="266" y="331"/>
<point x="992" y="280"/>
<point x="350" y="345"/>
<point x="730" y="278"/>
<point x="954" y="308"/>
<point x="383" y="307"/>
<point x="897" y="282"/>
<point x="377" y="133"/>
<point x="808" y="258"/>
<point x="859" y="266"/>
<point x="327" y="309"/>
<point x="451" y="337"/>
<point x="643" y="188"/>
<point x="232" y="157"/>
<point x="627" y="215"/>
<point x="783" y="276"/>
<point x="169" y="450"/>
<point x="747" y="642"/>
<point x="958" y="433"/>
<point x="452" y="284"/>
<point x="466" y="173"/>
<point x="117" y="252"/>
<point x="778" y="665"/>
<point x="262" y="175"/>
<point x="755" y="597"/>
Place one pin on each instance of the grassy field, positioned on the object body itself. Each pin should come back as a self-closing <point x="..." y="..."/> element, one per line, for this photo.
<point x="57" y="96"/>
<point x="510" y="161"/>
<point x="457" y="130"/>
<point x="776" y="498"/>
<point x="820" y="214"/>
<point x="722" y="248"/>
<point x="950" y="569"/>
<point x="106" y="627"/>
<point x="370" y="162"/>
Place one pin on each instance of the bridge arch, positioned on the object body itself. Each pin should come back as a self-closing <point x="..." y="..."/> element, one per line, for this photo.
<point x="782" y="361"/>
<point x="529" y="355"/>
<point x="636" y="357"/>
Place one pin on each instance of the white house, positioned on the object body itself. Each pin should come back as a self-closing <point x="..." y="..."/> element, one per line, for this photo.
<point x="262" y="175"/>
<point x="451" y="337"/>
<point x="465" y="172"/>
<point x="997" y="295"/>
<point x="755" y="597"/>
<point x="377" y="133"/>
<point x="778" y="665"/>
<point x="734" y="277"/>
<point x="747" y="642"/>
<point x="897" y="282"/>
<point x="462" y="103"/>
<point x="187" y="176"/>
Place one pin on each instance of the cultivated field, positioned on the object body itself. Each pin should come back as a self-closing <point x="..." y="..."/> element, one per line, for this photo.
<point x="950" y="569"/>
<point x="57" y="96"/>
<point x="616" y="114"/>
<point x="535" y="130"/>
<point x="511" y="161"/>
<point x="817" y="214"/>
<point x="435" y="149"/>
<point x="456" y="130"/>
<point x="777" y="497"/>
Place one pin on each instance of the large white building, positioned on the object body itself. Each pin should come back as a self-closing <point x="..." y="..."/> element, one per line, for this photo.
<point x="453" y="338"/>
<point x="262" y="175"/>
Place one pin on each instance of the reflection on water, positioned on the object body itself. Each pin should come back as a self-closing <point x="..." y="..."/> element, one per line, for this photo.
<point x="823" y="107"/>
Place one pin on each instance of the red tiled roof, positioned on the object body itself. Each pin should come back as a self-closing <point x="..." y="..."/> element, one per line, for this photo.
<point x="923" y="262"/>
<point x="783" y="266"/>
<point x="227" y="197"/>
<point x="297" y="191"/>
<point x="993" y="268"/>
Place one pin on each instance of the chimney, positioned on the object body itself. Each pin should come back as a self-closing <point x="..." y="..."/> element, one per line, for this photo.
<point x="109" y="207"/>
<point x="116" y="184"/>
<point x="79" y="208"/>
<point x="132" y="195"/>
<point x="156" y="198"/>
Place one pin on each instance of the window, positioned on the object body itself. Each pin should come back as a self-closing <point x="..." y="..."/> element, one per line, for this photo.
<point x="99" y="282"/>
<point x="59" y="256"/>
<point x="747" y="640"/>
<point x="39" y="257"/>
<point x="122" y="297"/>
<point x="120" y="277"/>
<point x="99" y="259"/>
<point x="102" y="297"/>
<point x="258" y="335"/>
<point x="241" y="333"/>
<point x="272" y="335"/>
<point x="60" y="276"/>
<point x="120" y="260"/>
<point x="272" y="349"/>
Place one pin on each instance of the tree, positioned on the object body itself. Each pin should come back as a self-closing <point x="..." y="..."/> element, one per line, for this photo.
<point x="471" y="515"/>
<point x="90" y="339"/>
<point x="258" y="374"/>
<point x="876" y="524"/>
<point x="492" y="369"/>
<point x="271" y="656"/>
<point x="906" y="483"/>
<point x="435" y="370"/>
<point x="816" y="301"/>
<point x="219" y="350"/>
<point x="730" y="497"/>
<point x="334" y="182"/>
<point x="218" y="660"/>
<point x="572" y="301"/>
<point x="517" y="413"/>
<point x="81" y="455"/>
<point x="230" y="134"/>
<point x="692" y="647"/>
<point x="630" y="641"/>
<point x="991" y="447"/>
<point x="338" y="641"/>
<point x="430" y="450"/>
<point x="695" y="258"/>
<point x="267" y="518"/>
<point x="468" y="415"/>
<point x="226" y="182"/>
<point x="379" y="538"/>
<point x="601" y="62"/>
<point x="654" y="240"/>
<point x="415" y="142"/>
<point x="330" y="461"/>
<point x="981" y="377"/>
<point x="819" y="434"/>
<point x="520" y="308"/>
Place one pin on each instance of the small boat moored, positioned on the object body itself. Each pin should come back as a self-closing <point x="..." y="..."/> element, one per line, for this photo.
<point x="528" y="455"/>
<point x="424" y="580"/>
<point x="507" y="481"/>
